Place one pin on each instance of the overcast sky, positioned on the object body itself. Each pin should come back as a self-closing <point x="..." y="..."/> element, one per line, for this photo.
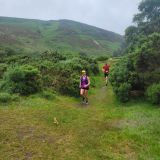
<point x="113" y="15"/>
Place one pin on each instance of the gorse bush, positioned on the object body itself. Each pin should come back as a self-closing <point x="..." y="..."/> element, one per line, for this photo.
<point x="3" y="68"/>
<point x="5" y="97"/>
<point x="153" y="93"/>
<point x="67" y="83"/>
<point x="141" y="69"/>
<point x="47" y="95"/>
<point x="102" y="58"/>
<point x="146" y="61"/>
<point x="67" y="74"/>
<point x="123" y="92"/>
<point x="49" y="70"/>
<point x="15" y="97"/>
<point x="53" y="56"/>
<point x="121" y="79"/>
<point x="24" y="80"/>
<point x="64" y="76"/>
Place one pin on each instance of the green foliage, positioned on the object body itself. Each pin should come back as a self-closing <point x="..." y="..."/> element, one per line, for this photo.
<point x="123" y="92"/>
<point x="102" y="58"/>
<point x="3" y="68"/>
<point x="67" y="83"/>
<point x="47" y="95"/>
<point x="147" y="60"/>
<point x="131" y="34"/>
<point x="63" y="75"/>
<point x="143" y="50"/>
<point x="6" y="51"/>
<point x="64" y="36"/>
<point x="24" y="80"/>
<point x="47" y="70"/>
<point x="119" y="52"/>
<point x="153" y="93"/>
<point x="53" y="56"/>
<point x="150" y="16"/>
<point x="5" y="97"/>
<point x="67" y="74"/>
<point x="15" y="97"/>
<point x="28" y="74"/>
<point x="122" y="79"/>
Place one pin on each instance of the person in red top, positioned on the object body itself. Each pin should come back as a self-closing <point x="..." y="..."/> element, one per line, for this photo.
<point x="105" y="70"/>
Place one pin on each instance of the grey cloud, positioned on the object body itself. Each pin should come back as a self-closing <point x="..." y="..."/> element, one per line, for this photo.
<point x="114" y="15"/>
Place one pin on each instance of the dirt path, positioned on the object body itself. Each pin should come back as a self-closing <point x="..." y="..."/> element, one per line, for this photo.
<point x="102" y="94"/>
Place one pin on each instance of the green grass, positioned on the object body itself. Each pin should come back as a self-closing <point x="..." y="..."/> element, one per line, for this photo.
<point x="103" y="130"/>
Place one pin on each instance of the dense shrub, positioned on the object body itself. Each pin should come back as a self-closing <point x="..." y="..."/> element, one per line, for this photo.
<point x="22" y="79"/>
<point x="48" y="95"/>
<point x="94" y="68"/>
<point x="49" y="70"/>
<point x="3" y="68"/>
<point x="102" y="58"/>
<point x="121" y="79"/>
<point x="5" y="52"/>
<point x="53" y="56"/>
<point x="67" y="83"/>
<point x="5" y="97"/>
<point x="15" y="97"/>
<point x="153" y="93"/>
<point x="123" y="92"/>
<point x="18" y="59"/>
<point x="146" y="59"/>
<point x="141" y="68"/>
<point x="64" y="76"/>
<point x="89" y="64"/>
<point x="143" y="53"/>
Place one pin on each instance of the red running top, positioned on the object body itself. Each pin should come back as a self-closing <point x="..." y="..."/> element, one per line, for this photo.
<point x="106" y="68"/>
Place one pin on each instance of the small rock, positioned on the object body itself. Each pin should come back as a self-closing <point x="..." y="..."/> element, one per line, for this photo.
<point x="55" y="121"/>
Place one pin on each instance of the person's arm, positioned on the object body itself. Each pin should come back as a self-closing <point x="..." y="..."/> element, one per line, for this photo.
<point x="89" y="82"/>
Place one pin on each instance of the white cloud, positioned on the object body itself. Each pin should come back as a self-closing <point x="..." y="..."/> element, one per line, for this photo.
<point x="114" y="15"/>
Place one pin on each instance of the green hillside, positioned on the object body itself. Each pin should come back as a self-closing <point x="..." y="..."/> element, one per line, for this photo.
<point x="63" y="35"/>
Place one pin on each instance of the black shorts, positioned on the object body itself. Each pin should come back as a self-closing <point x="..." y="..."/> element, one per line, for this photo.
<point x="106" y="75"/>
<point x="87" y="88"/>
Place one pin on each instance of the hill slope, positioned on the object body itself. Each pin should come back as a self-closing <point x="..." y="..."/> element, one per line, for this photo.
<point x="63" y="35"/>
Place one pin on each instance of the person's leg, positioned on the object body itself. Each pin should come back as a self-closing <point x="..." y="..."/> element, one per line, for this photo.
<point x="106" y="80"/>
<point x="86" y="95"/>
<point x="82" y="93"/>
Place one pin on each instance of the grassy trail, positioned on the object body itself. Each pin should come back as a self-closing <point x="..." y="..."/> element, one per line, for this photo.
<point x="103" y="130"/>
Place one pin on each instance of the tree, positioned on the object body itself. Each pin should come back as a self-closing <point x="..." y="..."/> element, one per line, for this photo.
<point x="141" y="69"/>
<point x="148" y="19"/>
<point x="131" y="34"/>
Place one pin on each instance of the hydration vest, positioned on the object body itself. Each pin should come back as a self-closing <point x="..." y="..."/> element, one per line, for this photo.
<point x="84" y="81"/>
